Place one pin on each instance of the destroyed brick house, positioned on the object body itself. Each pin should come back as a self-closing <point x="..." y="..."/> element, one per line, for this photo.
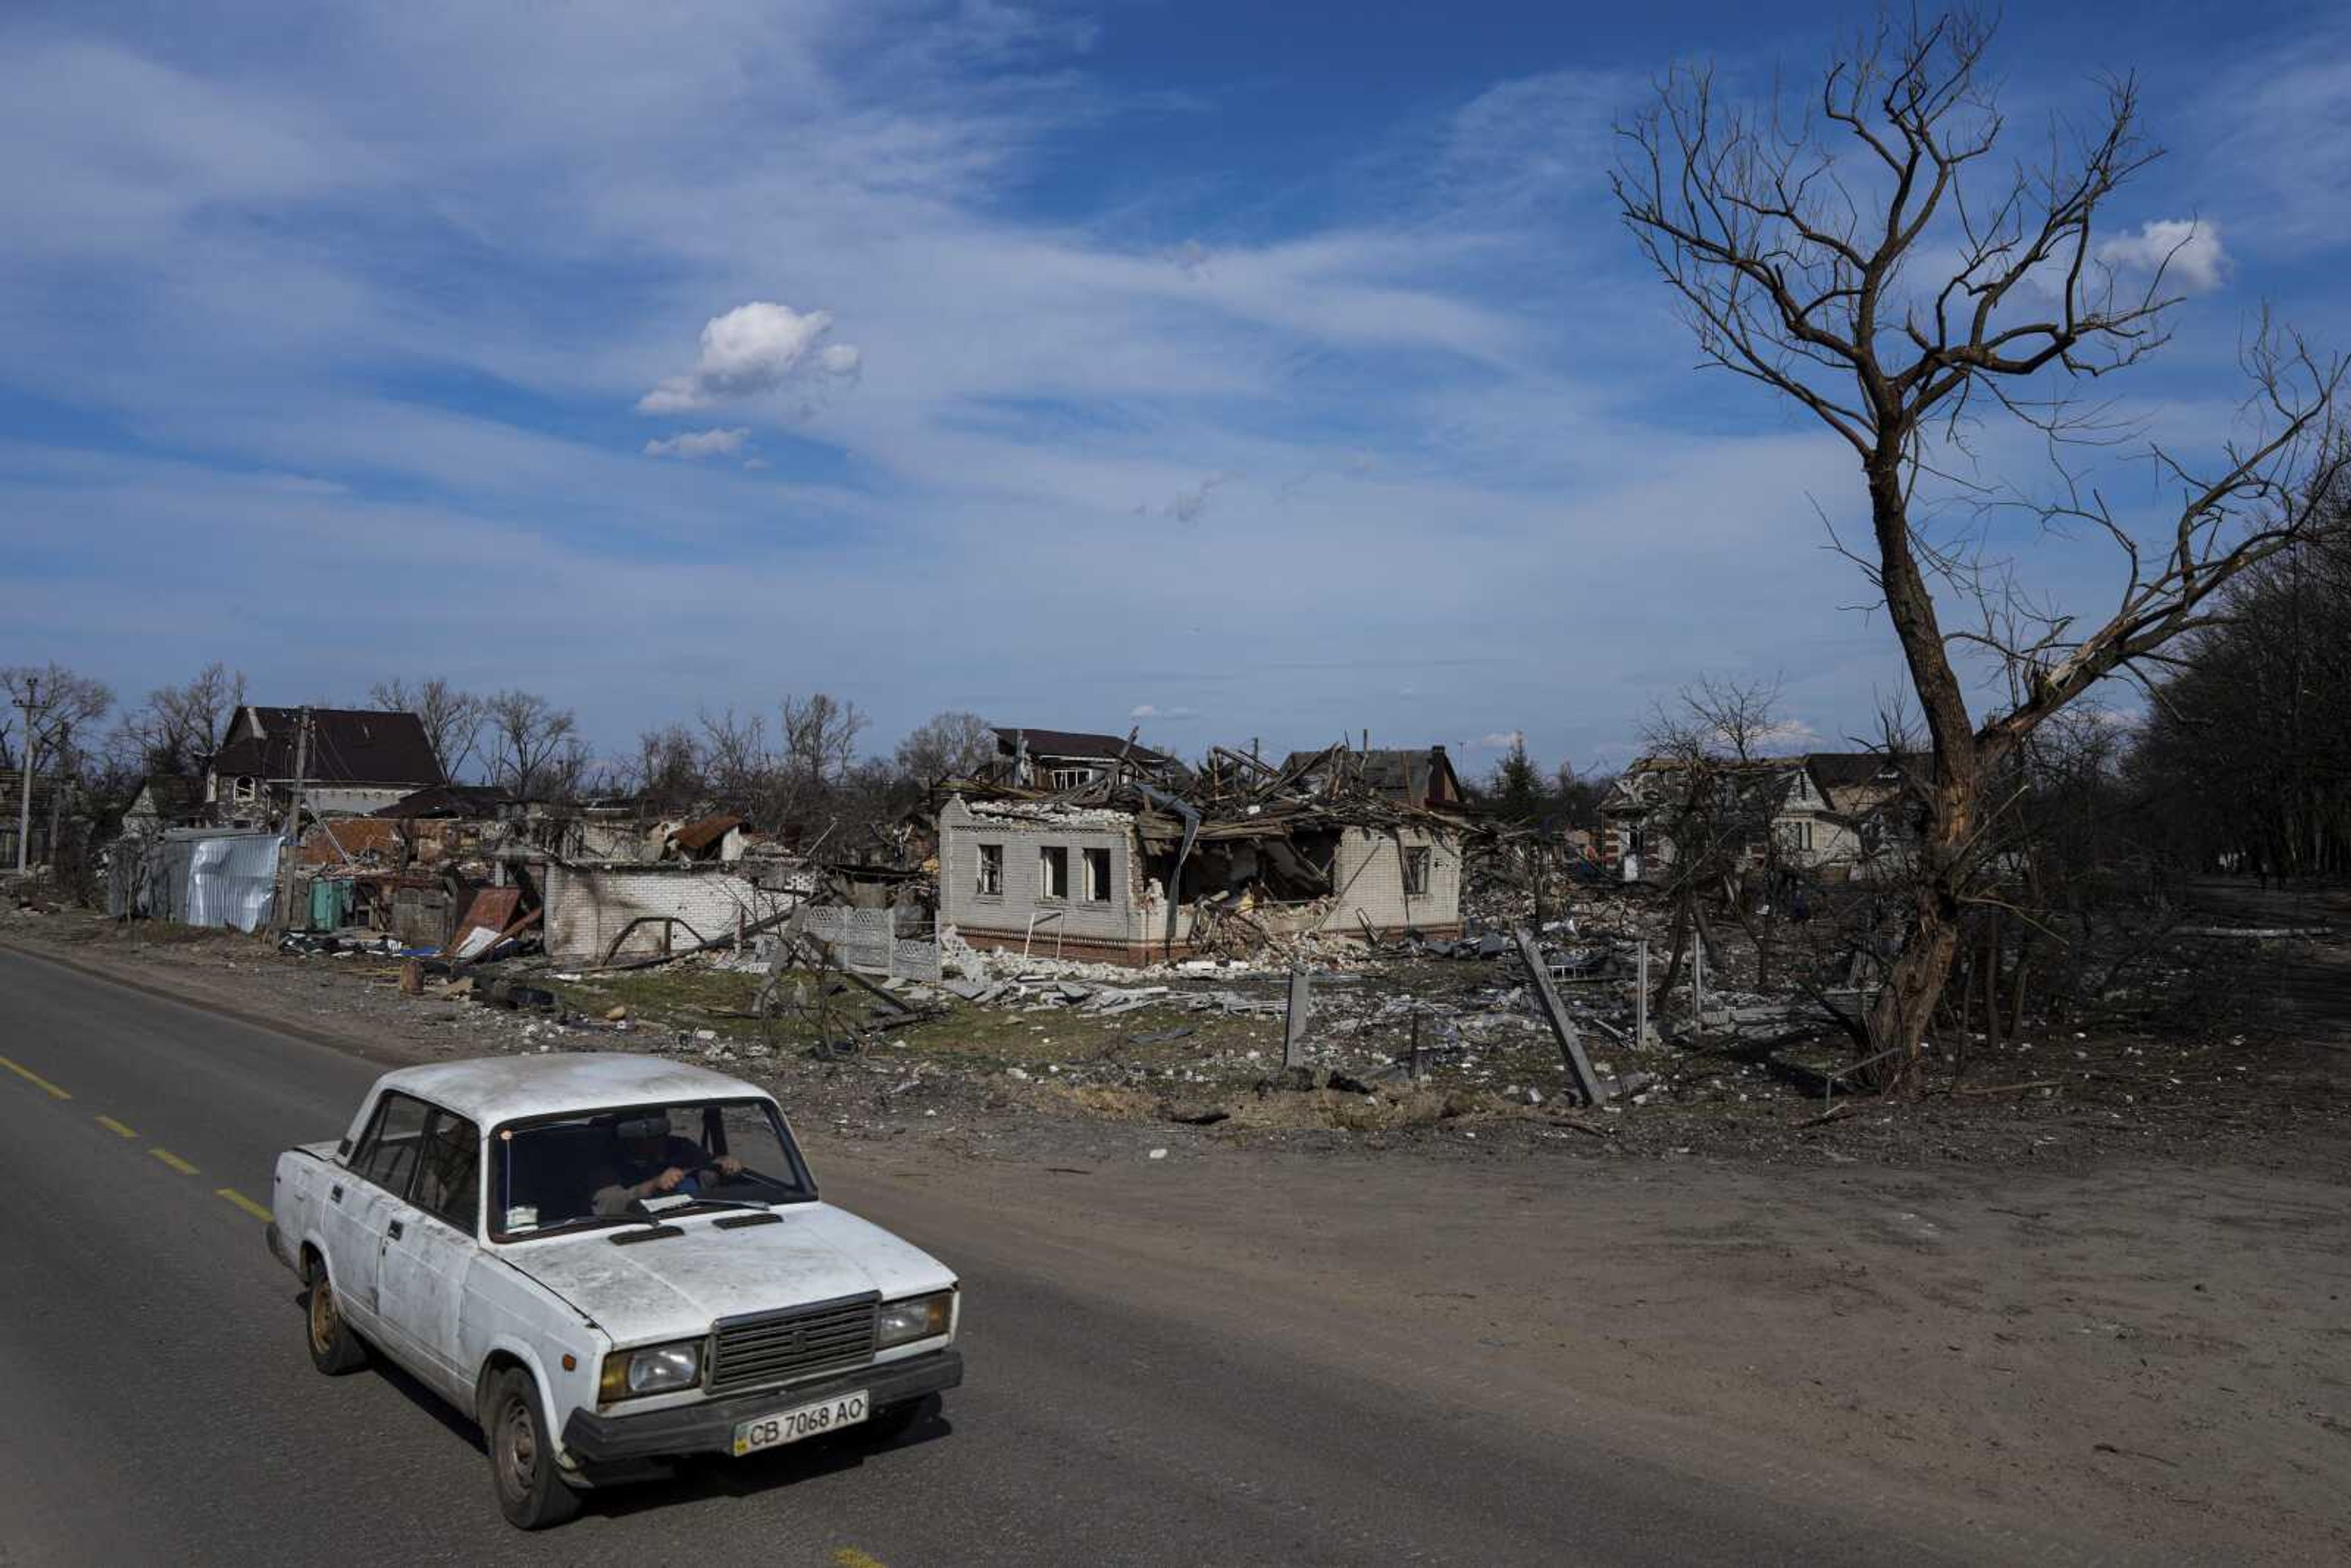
<point x="1829" y="813"/>
<point x="1249" y="856"/>
<point x="353" y="761"/>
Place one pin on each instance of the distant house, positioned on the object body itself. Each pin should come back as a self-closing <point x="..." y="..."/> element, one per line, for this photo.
<point x="356" y="762"/>
<point x="165" y="800"/>
<point x="1422" y="779"/>
<point x="1058" y="759"/>
<point x="1834" y="812"/>
<point x="1769" y="799"/>
<point x="1095" y="881"/>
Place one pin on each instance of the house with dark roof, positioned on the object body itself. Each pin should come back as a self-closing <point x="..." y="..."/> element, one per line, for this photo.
<point x="354" y="761"/>
<point x="1058" y="759"/>
<point x="165" y="800"/>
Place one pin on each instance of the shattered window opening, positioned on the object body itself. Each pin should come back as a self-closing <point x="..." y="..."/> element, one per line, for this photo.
<point x="1415" y="871"/>
<point x="1097" y="876"/>
<point x="1053" y="871"/>
<point x="1070" y="778"/>
<point x="991" y="870"/>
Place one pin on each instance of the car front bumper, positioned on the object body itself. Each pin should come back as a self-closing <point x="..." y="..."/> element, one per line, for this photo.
<point x="591" y="1440"/>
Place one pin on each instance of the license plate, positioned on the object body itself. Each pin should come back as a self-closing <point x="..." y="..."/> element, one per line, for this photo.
<point x="801" y="1421"/>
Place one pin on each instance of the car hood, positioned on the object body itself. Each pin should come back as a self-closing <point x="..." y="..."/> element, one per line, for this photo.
<point x="674" y="1287"/>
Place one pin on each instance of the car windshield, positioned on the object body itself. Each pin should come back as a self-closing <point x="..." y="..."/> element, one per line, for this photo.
<point x="614" y="1167"/>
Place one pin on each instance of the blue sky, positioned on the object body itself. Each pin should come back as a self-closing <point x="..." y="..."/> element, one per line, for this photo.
<point x="1235" y="371"/>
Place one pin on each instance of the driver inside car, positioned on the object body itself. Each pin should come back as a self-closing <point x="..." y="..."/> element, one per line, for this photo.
<point x="648" y="1160"/>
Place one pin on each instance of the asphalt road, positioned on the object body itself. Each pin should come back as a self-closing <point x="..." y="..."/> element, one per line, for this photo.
<point x="156" y="1403"/>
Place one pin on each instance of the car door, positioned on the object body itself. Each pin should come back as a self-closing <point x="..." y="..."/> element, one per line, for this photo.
<point x="428" y="1250"/>
<point x="365" y="1200"/>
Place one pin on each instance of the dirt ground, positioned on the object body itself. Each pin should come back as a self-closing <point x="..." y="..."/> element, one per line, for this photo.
<point x="2116" y="1311"/>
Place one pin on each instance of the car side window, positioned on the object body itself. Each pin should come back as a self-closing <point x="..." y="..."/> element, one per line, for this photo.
<point x="387" y="1156"/>
<point x="448" y="1180"/>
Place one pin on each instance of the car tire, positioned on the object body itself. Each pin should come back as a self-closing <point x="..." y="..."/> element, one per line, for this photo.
<point x="892" y="1421"/>
<point x="334" y="1348"/>
<point x="531" y="1494"/>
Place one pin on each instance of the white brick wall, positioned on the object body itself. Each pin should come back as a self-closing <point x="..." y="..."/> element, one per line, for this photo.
<point x="587" y="906"/>
<point x="961" y="904"/>
<point x="1369" y="875"/>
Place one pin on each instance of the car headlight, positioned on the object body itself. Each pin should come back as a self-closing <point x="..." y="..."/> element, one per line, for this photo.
<point x="916" y="1317"/>
<point x="655" y="1369"/>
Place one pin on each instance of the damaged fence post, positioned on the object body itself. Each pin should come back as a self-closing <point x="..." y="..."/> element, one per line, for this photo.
<point x="1578" y="1066"/>
<point x="1641" y="998"/>
<point x="1293" y="1034"/>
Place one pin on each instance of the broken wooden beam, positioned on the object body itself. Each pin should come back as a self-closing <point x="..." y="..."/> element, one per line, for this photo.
<point x="1571" y="1045"/>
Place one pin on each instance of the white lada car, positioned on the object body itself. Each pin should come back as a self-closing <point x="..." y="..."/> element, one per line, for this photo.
<point x="611" y="1262"/>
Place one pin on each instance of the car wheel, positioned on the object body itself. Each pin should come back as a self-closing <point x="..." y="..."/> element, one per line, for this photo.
<point x="894" y="1421"/>
<point x="522" y="1455"/>
<point x="334" y="1348"/>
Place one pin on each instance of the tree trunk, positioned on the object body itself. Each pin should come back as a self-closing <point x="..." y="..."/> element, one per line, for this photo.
<point x="1898" y="1022"/>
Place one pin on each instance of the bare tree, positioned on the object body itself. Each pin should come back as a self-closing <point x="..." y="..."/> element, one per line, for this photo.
<point x="64" y="704"/>
<point x="952" y="745"/>
<point x="1892" y="290"/>
<point x="1714" y="794"/>
<point x="819" y="735"/>
<point x="666" y="773"/>
<point x="453" y="719"/>
<point x="178" y="728"/>
<point x="535" y="746"/>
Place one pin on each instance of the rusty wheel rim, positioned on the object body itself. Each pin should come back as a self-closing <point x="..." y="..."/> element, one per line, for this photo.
<point x="518" y="1448"/>
<point x="324" y="1320"/>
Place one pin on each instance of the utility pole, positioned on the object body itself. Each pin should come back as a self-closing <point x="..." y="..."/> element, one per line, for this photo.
<point x="290" y="850"/>
<point x="25" y="796"/>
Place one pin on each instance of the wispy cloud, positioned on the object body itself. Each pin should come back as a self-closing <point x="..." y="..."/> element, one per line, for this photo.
<point x="693" y="444"/>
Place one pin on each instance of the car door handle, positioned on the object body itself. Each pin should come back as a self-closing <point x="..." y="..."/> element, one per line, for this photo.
<point x="334" y="1195"/>
<point x="392" y="1230"/>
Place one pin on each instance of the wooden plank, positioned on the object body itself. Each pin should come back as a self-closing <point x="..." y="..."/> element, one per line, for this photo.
<point x="1570" y="1046"/>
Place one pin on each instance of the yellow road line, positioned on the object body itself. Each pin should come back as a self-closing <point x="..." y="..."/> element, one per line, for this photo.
<point x="175" y="1161"/>
<point x="242" y="1201"/>
<point x="34" y="1079"/>
<point x="849" y="1557"/>
<point x="115" y="1128"/>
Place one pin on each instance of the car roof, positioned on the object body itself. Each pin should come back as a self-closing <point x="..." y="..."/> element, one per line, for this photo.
<point x="493" y="1089"/>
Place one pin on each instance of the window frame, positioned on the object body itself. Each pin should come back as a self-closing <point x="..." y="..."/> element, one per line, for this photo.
<point x="991" y="858"/>
<point x="1051" y="889"/>
<point x="1424" y="857"/>
<point x="1096" y="885"/>
<point x="355" y="1162"/>
<point x="432" y="1127"/>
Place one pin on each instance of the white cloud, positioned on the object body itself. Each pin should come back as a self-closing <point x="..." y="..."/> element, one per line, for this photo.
<point x="2186" y="250"/>
<point x="1787" y="735"/>
<point x="1499" y="740"/>
<point x="693" y="444"/>
<point x="1170" y="714"/>
<point x="748" y="351"/>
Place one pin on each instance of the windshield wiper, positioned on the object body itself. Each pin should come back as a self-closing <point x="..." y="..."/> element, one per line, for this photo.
<point x="692" y="1201"/>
